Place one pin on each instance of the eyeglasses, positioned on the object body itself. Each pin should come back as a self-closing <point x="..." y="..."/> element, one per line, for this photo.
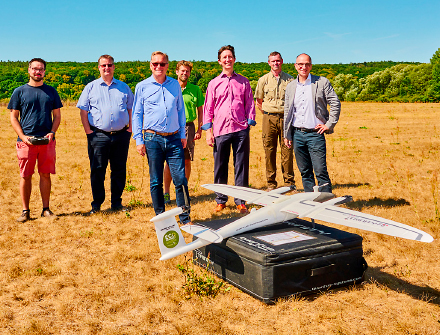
<point x="37" y="69"/>
<point x="304" y="64"/>
<point x="106" y="65"/>
<point x="157" y="64"/>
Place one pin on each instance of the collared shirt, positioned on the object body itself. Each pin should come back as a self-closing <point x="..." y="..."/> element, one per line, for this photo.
<point x="229" y="105"/>
<point x="158" y="107"/>
<point x="272" y="90"/>
<point x="304" y="115"/>
<point x="192" y="98"/>
<point x="107" y="106"/>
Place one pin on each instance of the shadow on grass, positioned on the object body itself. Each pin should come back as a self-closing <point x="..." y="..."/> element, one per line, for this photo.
<point x="387" y="203"/>
<point x="203" y="198"/>
<point x="350" y="185"/>
<point x="384" y="281"/>
<point x="388" y="281"/>
<point x="107" y="211"/>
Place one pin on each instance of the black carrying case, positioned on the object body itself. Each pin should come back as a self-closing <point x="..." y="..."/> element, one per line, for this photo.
<point x="330" y="259"/>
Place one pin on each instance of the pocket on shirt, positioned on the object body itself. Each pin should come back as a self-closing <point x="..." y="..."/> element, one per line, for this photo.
<point x="269" y="93"/>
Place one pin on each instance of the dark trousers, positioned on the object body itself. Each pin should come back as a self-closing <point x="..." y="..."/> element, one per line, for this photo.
<point x="102" y="149"/>
<point x="239" y="141"/>
<point x="273" y="126"/>
<point x="310" y="154"/>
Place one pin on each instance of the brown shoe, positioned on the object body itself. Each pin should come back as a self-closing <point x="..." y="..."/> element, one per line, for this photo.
<point x="242" y="209"/>
<point x="48" y="214"/>
<point x="25" y="216"/>
<point x="219" y="207"/>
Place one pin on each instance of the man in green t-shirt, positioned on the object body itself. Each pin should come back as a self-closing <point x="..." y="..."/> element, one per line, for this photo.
<point x="193" y="100"/>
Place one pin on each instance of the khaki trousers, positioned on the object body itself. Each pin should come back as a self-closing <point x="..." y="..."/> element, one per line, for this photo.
<point x="272" y="134"/>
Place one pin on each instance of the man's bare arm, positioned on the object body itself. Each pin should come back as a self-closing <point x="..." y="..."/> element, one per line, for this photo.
<point x="56" y="113"/>
<point x="85" y="121"/>
<point x="259" y="104"/>
<point x="210" y="137"/>
<point x="141" y="149"/>
<point x="130" y="129"/>
<point x="198" y="134"/>
<point x="17" y="127"/>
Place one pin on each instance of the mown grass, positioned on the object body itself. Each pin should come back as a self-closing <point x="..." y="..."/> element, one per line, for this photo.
<point x="102" y="275"/>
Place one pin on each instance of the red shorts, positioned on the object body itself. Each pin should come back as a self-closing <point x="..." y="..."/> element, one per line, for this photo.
<point x="29" y="154"/>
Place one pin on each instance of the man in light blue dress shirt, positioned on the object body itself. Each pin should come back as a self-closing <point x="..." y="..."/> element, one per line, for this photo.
<point x="159" y="130"/>
<point x="105" y="108"/>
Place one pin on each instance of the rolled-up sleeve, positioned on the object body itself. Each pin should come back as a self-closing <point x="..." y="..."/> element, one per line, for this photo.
<point x="208" y="108"/>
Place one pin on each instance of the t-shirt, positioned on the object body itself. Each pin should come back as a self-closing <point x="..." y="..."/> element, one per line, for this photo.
<point x="35" y="105"/>
<point x="192" y="98"/>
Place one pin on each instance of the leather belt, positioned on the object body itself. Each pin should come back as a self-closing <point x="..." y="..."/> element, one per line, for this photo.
<point x="306" y="130"/>
<point x="108" y="133"/>
<point x="161" y="134"/>
<point x="274" y="114"/>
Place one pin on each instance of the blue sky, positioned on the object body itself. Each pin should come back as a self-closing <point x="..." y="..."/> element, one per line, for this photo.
<point x="331" y="32"/>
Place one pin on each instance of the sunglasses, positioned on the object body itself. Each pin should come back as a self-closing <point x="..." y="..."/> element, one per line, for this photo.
<point x="157" y="64"/>
<point x="106" y="65"/>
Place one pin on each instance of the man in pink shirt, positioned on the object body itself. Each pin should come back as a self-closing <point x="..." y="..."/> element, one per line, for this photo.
<point x="228" y="112"/>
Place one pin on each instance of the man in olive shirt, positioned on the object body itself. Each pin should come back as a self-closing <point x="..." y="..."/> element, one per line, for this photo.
<point x="269" y="95"/>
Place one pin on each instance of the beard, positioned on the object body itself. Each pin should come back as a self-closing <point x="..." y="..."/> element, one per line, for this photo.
<point x="37" y="79"/>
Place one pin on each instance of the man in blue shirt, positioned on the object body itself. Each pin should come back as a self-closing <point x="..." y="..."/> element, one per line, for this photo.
<point x="35" y="112"/>
<point x="159" y="112"/>
<point x="105" y="108"/>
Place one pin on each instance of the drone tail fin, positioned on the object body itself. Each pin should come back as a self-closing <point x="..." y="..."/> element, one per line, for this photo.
<point x="170" y="238"/>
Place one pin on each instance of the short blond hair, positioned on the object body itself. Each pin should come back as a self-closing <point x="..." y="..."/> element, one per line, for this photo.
<point x="184" y="63"/>
<point x="159" y="53"/>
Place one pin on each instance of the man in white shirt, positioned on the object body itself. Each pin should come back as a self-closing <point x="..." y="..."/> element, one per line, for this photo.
<point x="306" y="120"/>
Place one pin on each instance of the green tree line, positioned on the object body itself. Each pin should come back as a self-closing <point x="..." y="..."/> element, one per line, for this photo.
<point x="368" y="81"/>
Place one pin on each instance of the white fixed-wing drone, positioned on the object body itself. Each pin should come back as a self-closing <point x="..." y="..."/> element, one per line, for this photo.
<point x="277" y="208"/>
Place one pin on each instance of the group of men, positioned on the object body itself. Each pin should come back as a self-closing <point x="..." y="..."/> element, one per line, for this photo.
<point x="160" y="116"/>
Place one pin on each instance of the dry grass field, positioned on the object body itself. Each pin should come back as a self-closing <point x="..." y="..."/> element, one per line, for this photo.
<point x="101" y="274"/>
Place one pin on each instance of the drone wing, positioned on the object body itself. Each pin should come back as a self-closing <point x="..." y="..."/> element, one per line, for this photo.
<point x="354" y="219"/>
<point x="202" y="232"/>
<point x="250" y="195"/>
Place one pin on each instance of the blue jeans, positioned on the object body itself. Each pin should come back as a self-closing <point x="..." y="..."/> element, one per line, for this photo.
<point x="160" y="149"/>
<point x="310" y="154"/>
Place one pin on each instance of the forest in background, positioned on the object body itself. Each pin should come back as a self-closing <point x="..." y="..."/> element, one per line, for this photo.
<point x="369" y="81"/>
